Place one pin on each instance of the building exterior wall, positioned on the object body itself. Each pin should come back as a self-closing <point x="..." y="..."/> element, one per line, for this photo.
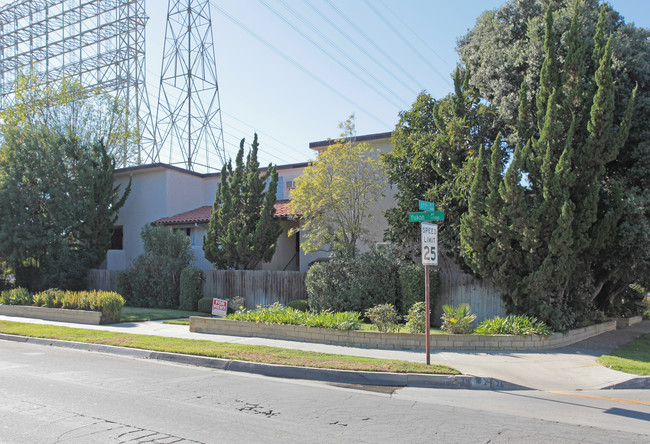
<point x="160" y="191"/>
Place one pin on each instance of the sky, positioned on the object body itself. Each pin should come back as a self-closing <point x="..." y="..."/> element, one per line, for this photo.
<point x="292" y="70"/>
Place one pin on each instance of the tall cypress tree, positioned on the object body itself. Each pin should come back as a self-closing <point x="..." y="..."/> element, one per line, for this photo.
<point x="242" y="230"/>
<point x="550" y="221"/>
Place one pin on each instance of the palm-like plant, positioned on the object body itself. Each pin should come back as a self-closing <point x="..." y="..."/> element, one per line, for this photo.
<point x="457" y="320"/>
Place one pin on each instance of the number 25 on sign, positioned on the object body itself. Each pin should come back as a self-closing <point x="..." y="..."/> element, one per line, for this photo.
<point x="429" y="244"/>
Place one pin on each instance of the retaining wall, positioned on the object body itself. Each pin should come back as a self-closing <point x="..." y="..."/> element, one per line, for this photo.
<point x="53" y="314"/>
<point x="395" y="341"/>
<point x="626" y="322"/>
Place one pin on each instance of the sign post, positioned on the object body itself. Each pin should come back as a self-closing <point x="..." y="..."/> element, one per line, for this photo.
<point x="429" y="235"/>
<point x="429" y="257"/>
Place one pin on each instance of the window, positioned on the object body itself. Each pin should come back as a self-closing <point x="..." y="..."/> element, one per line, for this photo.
<point x="189" y="232"/>
<point x="117" y="238"/>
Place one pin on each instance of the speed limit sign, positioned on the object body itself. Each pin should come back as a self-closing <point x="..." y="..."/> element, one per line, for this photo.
<point x="429" y="244"/>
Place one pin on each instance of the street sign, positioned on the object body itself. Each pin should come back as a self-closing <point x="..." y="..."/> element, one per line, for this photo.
<point x="219" y="307"/>
<point x="423" y="205"/>
<point x="429" y="244"/>
<point x="421" y="217"/>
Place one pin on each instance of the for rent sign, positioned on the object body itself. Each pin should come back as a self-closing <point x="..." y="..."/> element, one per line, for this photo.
<point x="219" y="307"/>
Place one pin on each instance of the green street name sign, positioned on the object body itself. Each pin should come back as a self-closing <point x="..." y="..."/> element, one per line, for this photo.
<point x="423" y="205"/>
<point x="421" y="217"/>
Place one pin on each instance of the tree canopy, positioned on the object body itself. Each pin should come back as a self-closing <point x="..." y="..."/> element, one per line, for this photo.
<point x="58" y="202"/>
<point x="554" y="230"/>
<point x="66" y="107"/>
<point x="433" y="145"/>
<point x="334" y="193"/>
<point x="242" y="230"/>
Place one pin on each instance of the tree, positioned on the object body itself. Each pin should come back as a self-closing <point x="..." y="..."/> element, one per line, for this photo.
<point x="433" y="145"/>
<point x="334" y="193"/>
<point x="506" y="47"/>
<point x="66" y="107"/>
<point x="57" y="199"/>
<point x="242" y="230"/>
<point x="542" y="237"/>
<point x="153" y="278"/>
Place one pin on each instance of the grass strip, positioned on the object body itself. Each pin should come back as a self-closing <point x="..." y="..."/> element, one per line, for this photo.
<point x="632" y="358"/>
<point x="136" y="314"/>
<point x="241" y="352"/>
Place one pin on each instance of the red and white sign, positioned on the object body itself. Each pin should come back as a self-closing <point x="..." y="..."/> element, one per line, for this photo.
<point x="219" y="307"/>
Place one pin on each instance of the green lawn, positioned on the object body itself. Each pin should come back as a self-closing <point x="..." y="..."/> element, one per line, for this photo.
<point x="631" y="358"/>
<point x="135" y="314"/>
<point x="252" y="353"/>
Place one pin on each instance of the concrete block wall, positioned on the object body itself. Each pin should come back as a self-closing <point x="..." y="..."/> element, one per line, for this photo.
<point x="394" y="341"/>
<point x="53" y="314"/>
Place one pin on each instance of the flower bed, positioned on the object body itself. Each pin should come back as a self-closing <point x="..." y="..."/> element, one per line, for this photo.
<point x="396" y="341"/>
<point x="87" y="307"/>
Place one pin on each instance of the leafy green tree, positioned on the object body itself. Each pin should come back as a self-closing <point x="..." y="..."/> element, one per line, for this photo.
<point x="506" y="48"/>
<point x="543" y="235"/>
<point x="57" y="198"/>
<point x="334" y="194"/>
<point x="242" y="230"/>
<point x="66" y="107"/>
<point x="153" y="278"/>
<point x="433" y="145"/>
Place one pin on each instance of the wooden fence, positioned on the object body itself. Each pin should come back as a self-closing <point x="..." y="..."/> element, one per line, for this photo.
<point x="266" y="287"/>
<point x="457" y="287"/>
<point x="258" y="287"/>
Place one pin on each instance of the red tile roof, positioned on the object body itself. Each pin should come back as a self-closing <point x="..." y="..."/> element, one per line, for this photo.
<point x="202" y="215"/>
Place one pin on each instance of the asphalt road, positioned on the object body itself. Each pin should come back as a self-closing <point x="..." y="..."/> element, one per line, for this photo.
<point x="54" y="395"/>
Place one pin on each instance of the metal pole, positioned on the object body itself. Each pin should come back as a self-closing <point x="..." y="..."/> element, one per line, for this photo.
<point x="428" y="313"/>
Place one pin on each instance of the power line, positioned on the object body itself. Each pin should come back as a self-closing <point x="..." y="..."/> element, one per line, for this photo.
<point x="351" y="60"/>
<point x="360" y="48"/>
<point x="270" y="146"/>
<point x="412" y="31"/>
<point x="298" y="65"/>
<point x="374" y="45"/>
<point x="403" y="39"/>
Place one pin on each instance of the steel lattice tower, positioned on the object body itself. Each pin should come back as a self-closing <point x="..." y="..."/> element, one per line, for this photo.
<point x="100" y="43"/>
<point x="188" y="115"/>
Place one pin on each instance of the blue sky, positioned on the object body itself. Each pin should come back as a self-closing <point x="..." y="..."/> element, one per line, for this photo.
<point x="292" y="103"/>
<point x="311" y="63"/>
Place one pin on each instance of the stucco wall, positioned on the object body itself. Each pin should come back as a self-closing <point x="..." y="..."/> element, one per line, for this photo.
<point x="147" y="202"/>
<point x="160" y="191"/>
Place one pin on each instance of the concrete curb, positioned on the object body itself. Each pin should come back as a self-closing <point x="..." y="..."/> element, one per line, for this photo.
<point x="635" y="383"/>
<point x="285" y="371"/>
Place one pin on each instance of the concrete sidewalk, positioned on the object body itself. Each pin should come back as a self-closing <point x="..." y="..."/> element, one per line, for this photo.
<point x="569" y="368"/>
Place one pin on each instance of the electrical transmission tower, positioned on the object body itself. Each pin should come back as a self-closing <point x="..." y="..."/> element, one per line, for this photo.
<point x="188" y="115"/>
<point x="98" y="43"/>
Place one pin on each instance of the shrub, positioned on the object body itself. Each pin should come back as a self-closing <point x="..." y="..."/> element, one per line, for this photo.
<point x="236" y="303"/>
<point x="384" y="316"/>
<point x="514" y="325"/>
<point x="416" y="318"/>
<point x="51" y="298"/>
<point x="457" y="320"/>
<point x="204" y="305"/>
<point x="76" y="300"/>
<point x="353" y="284"/>
<point x="411" y="282"/>
<point x="16" y="296"/>
<point x="299" y="304"/>
<point x="109" y="303"/>
<point x="277" y="314"/>
<point x="153" y="278"/>
<point x="191" y="288"/>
